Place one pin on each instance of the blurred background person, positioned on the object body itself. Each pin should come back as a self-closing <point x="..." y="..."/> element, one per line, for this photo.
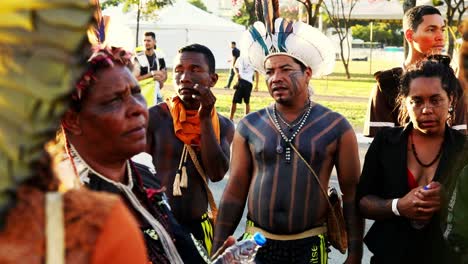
<point x="235" y="54"/>
<point x="150" y="64"/>
<point x="243" y="87"/>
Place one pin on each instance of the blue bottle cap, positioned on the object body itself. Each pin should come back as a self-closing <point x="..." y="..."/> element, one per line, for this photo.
<point x="259" y="239"/>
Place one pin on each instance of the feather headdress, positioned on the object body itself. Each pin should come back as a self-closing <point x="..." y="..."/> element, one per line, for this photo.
<point x="296" y="39"/>
<point x="41" y="45"/>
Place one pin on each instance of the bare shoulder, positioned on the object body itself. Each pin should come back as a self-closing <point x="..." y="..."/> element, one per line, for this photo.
<point x="159" y="117"/>
<point x="226" y="127"/>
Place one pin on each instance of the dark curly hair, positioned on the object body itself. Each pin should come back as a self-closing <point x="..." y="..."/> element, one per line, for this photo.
<point x="428" y="68"/>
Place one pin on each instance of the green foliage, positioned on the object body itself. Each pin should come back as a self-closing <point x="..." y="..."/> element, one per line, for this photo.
<point x="386" y="33"/>
<point x="199" y="4"/>
<point x="148" y="8"/>
<point x="246" y="14"/>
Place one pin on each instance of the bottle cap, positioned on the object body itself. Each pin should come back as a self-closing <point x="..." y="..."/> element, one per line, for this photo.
<point x="259" y="239"/>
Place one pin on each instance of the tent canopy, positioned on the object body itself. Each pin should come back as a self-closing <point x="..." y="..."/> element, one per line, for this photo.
<point x="182" y="24"/>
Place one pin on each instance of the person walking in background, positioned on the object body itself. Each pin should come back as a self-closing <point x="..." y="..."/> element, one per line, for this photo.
<point x="278" y="150"/>
<point x="235" y="54"/>
<point x="190" y="142"/>
<point x="405" y="167"/>
<point x="424" y="30"/>
<point x="151" y="64"/>
<point x="243" y="88"/>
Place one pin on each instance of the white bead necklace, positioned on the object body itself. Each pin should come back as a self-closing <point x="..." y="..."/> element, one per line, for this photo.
<point x="279" y="148"/>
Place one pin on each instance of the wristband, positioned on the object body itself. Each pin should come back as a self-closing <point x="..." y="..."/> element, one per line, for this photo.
<point x="394" y="207"/>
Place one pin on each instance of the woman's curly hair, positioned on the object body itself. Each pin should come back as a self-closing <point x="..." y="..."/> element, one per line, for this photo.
<point x="103" y="57"/>
<point x="428" y="68"/>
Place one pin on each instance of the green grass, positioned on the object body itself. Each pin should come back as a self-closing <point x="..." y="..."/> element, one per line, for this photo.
<point x="335" y="85"/>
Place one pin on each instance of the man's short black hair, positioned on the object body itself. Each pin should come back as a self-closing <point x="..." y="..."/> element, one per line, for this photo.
<point x="233" y="43"/>
<point x="414" y="16"/>
<point x="150" y="34"/>
<point x="203" y="50"/>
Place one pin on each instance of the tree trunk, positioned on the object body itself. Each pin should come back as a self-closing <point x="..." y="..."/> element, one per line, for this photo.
<point x="345" y="60"/>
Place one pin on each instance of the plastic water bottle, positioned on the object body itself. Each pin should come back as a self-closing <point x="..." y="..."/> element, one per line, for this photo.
<point x="242" y="252"/>
<point x="420" y="224"/>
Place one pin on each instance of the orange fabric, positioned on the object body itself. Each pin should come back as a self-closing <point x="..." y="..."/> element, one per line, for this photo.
<point x="187" y="122"/>
<point x="120" y="241"/>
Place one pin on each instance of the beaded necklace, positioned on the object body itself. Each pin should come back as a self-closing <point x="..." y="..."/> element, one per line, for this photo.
<point x="83" y="169"/>
<point x="279" y="148"/>
<point x="413" y="148"/>
<point x="291" y="126"/>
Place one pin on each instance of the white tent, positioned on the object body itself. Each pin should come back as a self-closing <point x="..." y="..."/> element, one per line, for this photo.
<point x="181" y="24"/>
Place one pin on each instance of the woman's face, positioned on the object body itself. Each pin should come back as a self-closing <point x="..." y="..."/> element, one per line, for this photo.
<point x="113" y="116"/>
<point x="427" y="104"/>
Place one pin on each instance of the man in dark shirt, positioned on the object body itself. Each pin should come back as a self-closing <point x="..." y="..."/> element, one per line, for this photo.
<point x="235" y="55"/>
<point x="424" y="30"/>
<point x="151" y="64"/>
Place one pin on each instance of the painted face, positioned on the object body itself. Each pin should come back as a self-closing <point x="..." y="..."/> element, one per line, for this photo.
<point x="427" y="104"/>
<point x="429" y="37"/>
<point x="149" y="42"/>
<point x="113" y="116"/>
<point x="191" y="68"/>
<point x="285" y="80"/>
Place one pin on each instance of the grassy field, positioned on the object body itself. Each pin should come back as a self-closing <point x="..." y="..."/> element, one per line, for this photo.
<point x="348" y="97"/>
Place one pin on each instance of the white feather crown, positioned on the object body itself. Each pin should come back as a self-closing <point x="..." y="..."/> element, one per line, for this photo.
<point x="295" y="39"/>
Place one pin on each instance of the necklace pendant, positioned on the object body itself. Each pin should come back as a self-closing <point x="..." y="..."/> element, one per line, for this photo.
<point x="288" y="155"/>
<point x="279" y="149"/>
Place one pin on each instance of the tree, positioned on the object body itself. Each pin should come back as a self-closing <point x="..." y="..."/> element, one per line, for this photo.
<point x="339" y="15"/>
<point x="246" y="14"/>
<point x="312" y="9"/>
<point x="386" y="33"/>
<point x="199" y="4"/>
<point x="455" y="11"/>
<point x="146" y="7"/>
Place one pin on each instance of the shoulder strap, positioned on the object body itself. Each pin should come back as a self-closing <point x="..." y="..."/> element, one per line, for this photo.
<point x="55" y="230"/>
<point x="142" y="59"/>
<point x="211" y="201"/>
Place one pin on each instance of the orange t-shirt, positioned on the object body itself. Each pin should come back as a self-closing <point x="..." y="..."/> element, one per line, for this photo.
<point x="120" y="241"/>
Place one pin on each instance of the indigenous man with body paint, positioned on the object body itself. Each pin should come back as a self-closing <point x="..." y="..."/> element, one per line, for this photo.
<point x="424" y="30"/>
<point x="189" y="141"/>
<point x="283" y="197"/>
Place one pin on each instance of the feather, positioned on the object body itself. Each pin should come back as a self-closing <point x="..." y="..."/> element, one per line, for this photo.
<point x="40" y="52"/>
<point x="296" y="39"/>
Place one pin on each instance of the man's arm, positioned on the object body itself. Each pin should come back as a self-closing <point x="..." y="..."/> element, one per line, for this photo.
<point x="235" y="194"/>
<point x="215" y="156"/>
<point x="348" y="169"/>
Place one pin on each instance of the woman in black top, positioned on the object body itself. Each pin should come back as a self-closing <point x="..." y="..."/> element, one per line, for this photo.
<point x="401" y="182"/>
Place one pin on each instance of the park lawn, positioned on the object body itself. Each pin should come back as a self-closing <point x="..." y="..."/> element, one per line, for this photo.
<point x="335" y="85"/>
